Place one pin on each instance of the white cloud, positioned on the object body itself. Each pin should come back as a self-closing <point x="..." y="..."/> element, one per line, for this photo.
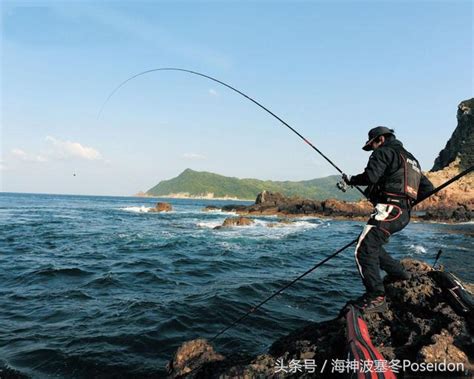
<point x="67" y="149"/>
<point x="213" y="92"/>
<point x="193" y="156"/>
<point x="19" y="153"/>
<point x="26" y="157"/>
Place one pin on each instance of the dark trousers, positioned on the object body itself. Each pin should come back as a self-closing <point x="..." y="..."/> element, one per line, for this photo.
<point x="370" y="255"/>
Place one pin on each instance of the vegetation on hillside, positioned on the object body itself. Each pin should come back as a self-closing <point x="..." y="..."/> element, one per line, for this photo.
<point x="196" y="183"/>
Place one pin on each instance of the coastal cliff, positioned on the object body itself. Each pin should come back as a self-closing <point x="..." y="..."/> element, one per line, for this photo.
<point x="461" y="144"/>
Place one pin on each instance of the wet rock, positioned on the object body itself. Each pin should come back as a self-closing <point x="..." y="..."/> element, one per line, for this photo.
<point x="190" y="356"/>
<point x="461" y="213"/>
<point x="162" y="207"/>
<point x="235" y="221"/>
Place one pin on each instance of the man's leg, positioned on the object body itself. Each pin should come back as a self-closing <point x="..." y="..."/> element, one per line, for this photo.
<point x="392" y="266"/>
<point x="367" y="258"/>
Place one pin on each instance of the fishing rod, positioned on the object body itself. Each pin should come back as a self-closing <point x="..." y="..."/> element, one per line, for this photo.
<point x="437" y="257"/>
<point x="253" y="309"/>
<point x="235" y="90"/>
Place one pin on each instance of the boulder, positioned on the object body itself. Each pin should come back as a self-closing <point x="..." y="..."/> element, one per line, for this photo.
<point x="235" y="221"/>
<point x="351" y="209"/>
<point x="190" y="356"/>
<point x="162" y="207"/>
<point x="270" y="198"/>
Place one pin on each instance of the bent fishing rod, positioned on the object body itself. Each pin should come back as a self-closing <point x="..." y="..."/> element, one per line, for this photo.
<point x="253" y="309"/>
<point x="235" y="90"/>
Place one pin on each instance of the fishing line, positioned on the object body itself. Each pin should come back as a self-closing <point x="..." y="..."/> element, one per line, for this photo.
<point x="235" y="90"/>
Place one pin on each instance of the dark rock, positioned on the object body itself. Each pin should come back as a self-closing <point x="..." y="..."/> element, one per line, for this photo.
<point x="462" y="213"/>
<point x="234" y="208"/>
<point x="9" y="373"/>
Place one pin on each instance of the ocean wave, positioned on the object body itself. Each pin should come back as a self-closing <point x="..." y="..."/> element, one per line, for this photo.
<point x="64" y="271"/>
<point x="209" y="224"/>
<point x="141" y="209"/>
<point x="417" y="249"/>
<point x="258" y="223"/>
<point x="220" y="212"/>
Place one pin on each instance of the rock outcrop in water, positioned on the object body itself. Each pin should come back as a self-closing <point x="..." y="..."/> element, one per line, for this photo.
<point x="162" y="207"/>
<point x="420" y="326"/>
<point x="454" y="203"/>
<point x="268" y="203"/>
<point x="235" y="221"/>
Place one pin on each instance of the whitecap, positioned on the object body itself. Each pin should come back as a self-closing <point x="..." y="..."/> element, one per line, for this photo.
<point x="220" y="212"/>
<point x="141" y="209"/>
<point x="209" y="224"/>
<point x="417" y="249"/>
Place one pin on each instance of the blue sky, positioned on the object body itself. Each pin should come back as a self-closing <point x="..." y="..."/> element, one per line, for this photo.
<point x="332" y="70"/>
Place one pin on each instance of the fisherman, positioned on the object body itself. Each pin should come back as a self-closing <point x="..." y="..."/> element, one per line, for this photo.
<point x="394" y="181"/>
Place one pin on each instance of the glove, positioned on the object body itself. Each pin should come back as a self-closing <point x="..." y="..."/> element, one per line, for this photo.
<point x="347" y="178"/>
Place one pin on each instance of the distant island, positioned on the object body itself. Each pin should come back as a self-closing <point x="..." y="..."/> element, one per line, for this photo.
<point x="208" y="185"/>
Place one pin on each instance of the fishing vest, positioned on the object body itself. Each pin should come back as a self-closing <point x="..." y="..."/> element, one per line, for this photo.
<point x="401" y="180"/>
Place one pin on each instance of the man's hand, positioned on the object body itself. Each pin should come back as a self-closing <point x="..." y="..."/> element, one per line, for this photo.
<point x="346" y="178"/>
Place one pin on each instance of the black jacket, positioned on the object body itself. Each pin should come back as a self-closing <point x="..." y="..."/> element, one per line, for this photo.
<point x="383" y="162"/>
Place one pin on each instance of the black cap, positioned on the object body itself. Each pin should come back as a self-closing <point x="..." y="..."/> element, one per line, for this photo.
<point x="375" y="133"/>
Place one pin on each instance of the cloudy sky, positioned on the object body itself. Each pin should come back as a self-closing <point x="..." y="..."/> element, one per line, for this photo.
<point x="332" y="70"/>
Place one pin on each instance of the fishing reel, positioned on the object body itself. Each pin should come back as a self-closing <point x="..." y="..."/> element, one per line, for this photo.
<point x="342" y="185"/>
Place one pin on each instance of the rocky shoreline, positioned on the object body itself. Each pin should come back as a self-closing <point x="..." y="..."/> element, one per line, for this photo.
<point x="420" y="326"/>
<point x="276" y="204"/>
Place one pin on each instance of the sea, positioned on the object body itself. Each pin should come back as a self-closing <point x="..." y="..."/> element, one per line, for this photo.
<point x="94" y="286"/>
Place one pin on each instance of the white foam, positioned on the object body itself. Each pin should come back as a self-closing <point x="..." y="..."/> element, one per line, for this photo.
<point x="141" y="209"/>
<point x="417" y="249"/>
<point x="209" y="224"/>
<point x="260" y="229"/>
<point x="220" y="212"/>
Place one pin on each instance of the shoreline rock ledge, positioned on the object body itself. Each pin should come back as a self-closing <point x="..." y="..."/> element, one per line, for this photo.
<point x="419" y="326"/>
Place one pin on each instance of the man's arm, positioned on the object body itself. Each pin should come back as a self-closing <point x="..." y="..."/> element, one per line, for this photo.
<point x="425" y="187"/>
<point x="378" y="163"/>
